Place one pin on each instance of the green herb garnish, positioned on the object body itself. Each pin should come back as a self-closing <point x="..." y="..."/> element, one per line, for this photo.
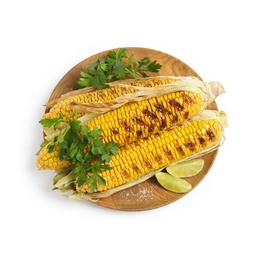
<point x="85" y="149"/>
<point x="116" y="65"/>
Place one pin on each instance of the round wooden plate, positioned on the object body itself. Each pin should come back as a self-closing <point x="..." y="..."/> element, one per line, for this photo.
<point x="149" y="194"/>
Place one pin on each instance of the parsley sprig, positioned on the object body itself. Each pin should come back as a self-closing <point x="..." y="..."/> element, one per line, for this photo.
<point x="85" y="149"/>
<point x="116" y="65"/>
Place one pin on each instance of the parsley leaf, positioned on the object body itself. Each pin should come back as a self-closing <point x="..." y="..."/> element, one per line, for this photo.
<point x="146" y="65"/>
<point x="99" y="79"/>
<point x="114" y="66"/>
<point x="51" y="122"/>
<point x="85" y="149"/>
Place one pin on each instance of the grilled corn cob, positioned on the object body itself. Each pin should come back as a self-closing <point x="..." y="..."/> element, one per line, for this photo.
<point x="157" y="151"/>
<point x="110" y="93"/>
<point x="136" y="120"/>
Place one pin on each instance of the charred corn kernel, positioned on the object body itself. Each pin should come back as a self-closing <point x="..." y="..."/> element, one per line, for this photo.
<point x="160" y="150"/>
<point x="140" y="119"/>
<point x="107" y="94"/>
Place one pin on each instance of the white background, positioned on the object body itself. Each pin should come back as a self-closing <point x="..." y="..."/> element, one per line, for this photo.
<point x="41" y="41"/>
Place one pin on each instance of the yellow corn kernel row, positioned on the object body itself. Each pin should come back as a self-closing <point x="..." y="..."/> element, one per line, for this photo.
<point x="139" y="158"/>
<point x="107" y="94"/>
<point x="149" y="82"/>
<point x="140" y="119"/>
<point x="50" y="161"/>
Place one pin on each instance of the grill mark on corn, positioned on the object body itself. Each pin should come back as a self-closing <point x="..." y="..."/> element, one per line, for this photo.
<point x="191" y="146"/>
<point x="210" y="134"/>
<point x="180" y="151"/>
<point x="115" y="131"/>
<point x="125" y="173"/>
<point x="139" y="121"/>
<point x="175" y="104"/>
<point x="162" y="110"/>
<point x="202" y="141"/>
<point x="186" y="98"/>
<point x="135" y="168"/>
<point x="158" y="158"/>
<point x="151" y="128"/>
<point x="168" y="154"/>
<point x="128" y="128"/>
<point x="163" y="124"/>
<point x="174" y="119"/>
<point x="149" y="114"/>
<point x="125" y="125"/>
<point x="139" y="133"/>
<point x="186" y="115"/>
<point x="147" y="164"/>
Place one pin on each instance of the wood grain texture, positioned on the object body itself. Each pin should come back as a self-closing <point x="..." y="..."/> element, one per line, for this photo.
<point x="149" y="194"/>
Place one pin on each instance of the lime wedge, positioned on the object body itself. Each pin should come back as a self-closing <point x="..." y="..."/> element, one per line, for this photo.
<point x="173" y="183"/>
<point x="186" y="169"/>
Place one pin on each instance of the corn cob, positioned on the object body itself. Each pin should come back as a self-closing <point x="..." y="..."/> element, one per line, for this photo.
<point x="110" y="93"/>
<point x="157" y="151"/>
<point x="136" y="120"/>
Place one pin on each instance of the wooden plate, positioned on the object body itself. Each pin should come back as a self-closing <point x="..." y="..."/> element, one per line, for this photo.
<point x="149" y="194"/>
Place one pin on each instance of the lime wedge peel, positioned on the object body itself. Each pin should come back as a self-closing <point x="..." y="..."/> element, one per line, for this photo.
<point x="173" y="183"/>
<point x="186" y="169"/>
<point x="172" y="179"/>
